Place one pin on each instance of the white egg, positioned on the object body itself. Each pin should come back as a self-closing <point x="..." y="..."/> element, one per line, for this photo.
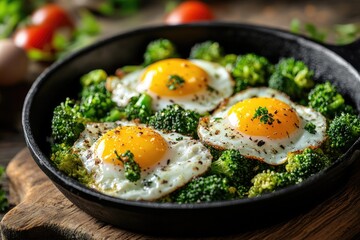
<point x="270" y="139"/>
<point x="167" y="160"/>
<point x="202" y="85"/>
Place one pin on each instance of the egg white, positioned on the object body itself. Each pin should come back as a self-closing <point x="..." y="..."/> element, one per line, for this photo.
<point x="217" y="131"/>
<point x="220" y="87"/>
<point x="185" y="159"/>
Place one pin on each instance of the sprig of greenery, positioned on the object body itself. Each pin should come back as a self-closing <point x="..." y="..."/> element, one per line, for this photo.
<point x="263" y="114"/>
<point x="132" y="168"/>
<point x="4" y="204"/>
<point x="341" y="33"/>
<point x="310" y="127"/>
<point x="174" y="82"/>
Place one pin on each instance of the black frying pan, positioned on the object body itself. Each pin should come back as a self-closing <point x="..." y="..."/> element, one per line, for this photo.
<point x="336" y="64"/>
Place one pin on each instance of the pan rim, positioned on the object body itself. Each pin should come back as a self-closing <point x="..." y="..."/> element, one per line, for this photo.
<point x="92" y="195"/>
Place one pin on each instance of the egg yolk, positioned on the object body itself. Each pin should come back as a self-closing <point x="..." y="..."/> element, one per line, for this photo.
<point x="148" y="146"/>
<point x="174" y="77"/>
<point x="266" y="117"/>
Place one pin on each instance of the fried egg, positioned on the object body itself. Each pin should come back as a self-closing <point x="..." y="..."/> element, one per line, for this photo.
<point x="193" y="84"/>
<point x="167" y="160"/>
<point x="281" y="130"/>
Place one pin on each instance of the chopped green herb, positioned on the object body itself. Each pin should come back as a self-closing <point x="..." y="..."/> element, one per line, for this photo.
<point x="4" y="204"/>
<point x="263" y="114"/>
<point x="175" y="82"/>
<point x="310" y="127"/>
<point x="132" y="168"/>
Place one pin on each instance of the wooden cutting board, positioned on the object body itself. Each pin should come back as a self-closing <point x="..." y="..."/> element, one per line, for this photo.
<point x="42" y="212"/>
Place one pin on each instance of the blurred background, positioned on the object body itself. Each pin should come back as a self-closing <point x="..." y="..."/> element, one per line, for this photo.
<point x="36" y="33"/>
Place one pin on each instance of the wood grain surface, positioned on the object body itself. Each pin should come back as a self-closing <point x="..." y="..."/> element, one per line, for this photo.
<point x="43" y="212"/>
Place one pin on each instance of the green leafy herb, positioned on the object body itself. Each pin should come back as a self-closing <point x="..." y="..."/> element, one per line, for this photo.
<point x="339" y="33"/>
<point x="263" y="114"/>
<point x="175" y="82"/>
<point x="14" y="13"/>
<point x="315" y="33"/>
<point x="295" y="26"/>
<point x="132" y="168"/>
<point x="4" y="204"/>
<point x="347" y="33"/>
<point x="310" y="127"/>
<point x="119" y="7"/>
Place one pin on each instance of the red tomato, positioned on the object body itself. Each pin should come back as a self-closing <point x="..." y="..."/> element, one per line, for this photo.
<point x="52" y="14"/>
<point x="39" y="37"/>
<point x="189" y="11"/>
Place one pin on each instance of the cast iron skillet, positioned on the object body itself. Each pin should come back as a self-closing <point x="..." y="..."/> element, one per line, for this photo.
<point x="336" y="64"/>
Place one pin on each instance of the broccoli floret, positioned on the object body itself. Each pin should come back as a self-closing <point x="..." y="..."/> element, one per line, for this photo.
<point x="205" y="189"/>
<point x="209" y="51"/>
<point x="234" y="166"/>
<point x="228" y="61"/>
<point x="67" y="122"/>
<point x="93" y="77"/>
<point x="158" y="50"/>
<point x="174" y="118"/>
<point x="303" y="165"/>
<point x="215" y="153"/>
<point x="327" y="100"/>
<point x="270" y="181"/>
<point x="251" y="70"/>
<point x="69" y="162"/>
<point x="292" y="77"/>
<point x="95" y="100"/>
<point x="131" y="168"/>
<point x="139" y="107"/>
<point x="343" y="131"/>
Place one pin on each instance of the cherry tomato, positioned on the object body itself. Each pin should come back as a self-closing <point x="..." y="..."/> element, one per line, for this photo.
<point x="52" y="14"/>
<point x="37" y="36"/>
<point x="189" y="11"/>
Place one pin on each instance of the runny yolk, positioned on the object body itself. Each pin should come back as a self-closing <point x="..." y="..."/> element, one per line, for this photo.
<point x="280" y="122"/>
<point x="157" y="78"/>
<point x="148" y="146"/>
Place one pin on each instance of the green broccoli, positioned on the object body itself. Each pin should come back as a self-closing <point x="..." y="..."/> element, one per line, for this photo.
<point x="158" y="50"/>
<point x="270" y="181"/>
<point x="69" y="162"/>
<point x="343" y="131"/>
<point x="131" y="168"/>
<point x="228" y="61"/>
<point x="93" y="77"/>
<point x="292" y="77"/>
<point x="303" y="165"/>
<point x="95" y="100"/>
<point x="209" y="51"/>
<point x="205" y="189"/>
<point x="139" y="107"/>
<point x="67" y="122"/>
<point x="251" y="70"/>
<point x="327" y="100"/>
<point x="235" y="167"/>
<point x="174" y="118"/>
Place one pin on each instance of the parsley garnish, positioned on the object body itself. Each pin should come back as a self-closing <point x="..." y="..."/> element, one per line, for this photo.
<point x="263" y="114"/>
<point x="132" y="168"/>
<point x="310" y="127"/>
<point x="174" y="82"/>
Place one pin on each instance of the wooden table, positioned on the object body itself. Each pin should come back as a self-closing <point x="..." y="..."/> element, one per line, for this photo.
<point x="336" y="218"/>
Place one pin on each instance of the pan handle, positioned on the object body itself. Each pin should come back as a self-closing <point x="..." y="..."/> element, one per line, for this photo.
<point x="350" y="52"/>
